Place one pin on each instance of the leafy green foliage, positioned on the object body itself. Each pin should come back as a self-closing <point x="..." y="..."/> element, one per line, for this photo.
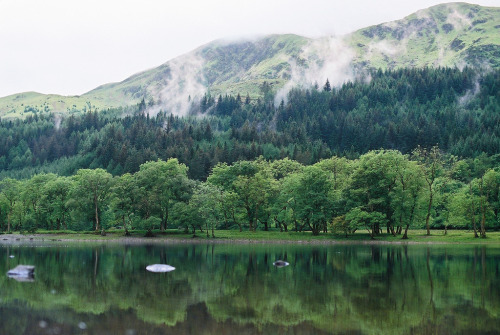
<point x="91" y="193"/>
<point x="398" y="110"/>
<point x="382" y="189"/>
<point x="159" y="185"/>
<point x="326" y="289"/>
<point x="309" y="164"/>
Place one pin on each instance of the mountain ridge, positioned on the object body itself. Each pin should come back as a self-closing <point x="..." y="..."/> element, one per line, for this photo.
<point x="451" y="35"/>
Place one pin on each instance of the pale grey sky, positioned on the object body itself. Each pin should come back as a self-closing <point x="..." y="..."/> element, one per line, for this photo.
<point x="72" y="46"/>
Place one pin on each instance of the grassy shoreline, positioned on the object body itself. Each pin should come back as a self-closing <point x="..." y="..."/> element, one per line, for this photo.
<point x="246" y="237"/>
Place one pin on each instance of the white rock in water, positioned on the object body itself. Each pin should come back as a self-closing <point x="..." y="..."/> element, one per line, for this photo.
<point x="280" y="263"/>
<point x="22" y="271"/>
<point x="160" y="268"/>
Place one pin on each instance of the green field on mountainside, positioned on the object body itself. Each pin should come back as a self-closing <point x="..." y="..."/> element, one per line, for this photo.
<point x="447" y="35"/>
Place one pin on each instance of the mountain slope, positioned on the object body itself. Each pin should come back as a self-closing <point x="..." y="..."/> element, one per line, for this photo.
<point x="218" y="67"/>
<point x="454" y="34"/>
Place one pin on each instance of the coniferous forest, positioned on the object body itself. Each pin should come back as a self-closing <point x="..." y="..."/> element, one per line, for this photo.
<point x="393" y="150"/>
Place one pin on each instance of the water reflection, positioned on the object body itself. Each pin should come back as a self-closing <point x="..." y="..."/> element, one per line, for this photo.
<point x="229" y="289"/>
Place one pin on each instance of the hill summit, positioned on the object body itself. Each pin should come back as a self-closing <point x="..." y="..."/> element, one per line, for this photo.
<point x="446" y="35"/>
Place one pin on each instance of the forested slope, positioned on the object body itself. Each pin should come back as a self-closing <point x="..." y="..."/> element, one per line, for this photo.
<point x="400" y="109"/>
<point x="320" y="161"/>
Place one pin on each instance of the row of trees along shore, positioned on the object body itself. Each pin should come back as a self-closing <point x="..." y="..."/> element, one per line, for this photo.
<point x="381" y="191"/>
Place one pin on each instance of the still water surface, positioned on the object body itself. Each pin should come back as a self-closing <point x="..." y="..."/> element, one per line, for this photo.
<point x="235" y="289"/>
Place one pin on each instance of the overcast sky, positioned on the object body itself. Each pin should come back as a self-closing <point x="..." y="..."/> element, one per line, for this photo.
<point x="72" y="46"/>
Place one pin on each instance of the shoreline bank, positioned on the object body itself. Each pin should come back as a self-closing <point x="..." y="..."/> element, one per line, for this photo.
<point x="114" y="238"/>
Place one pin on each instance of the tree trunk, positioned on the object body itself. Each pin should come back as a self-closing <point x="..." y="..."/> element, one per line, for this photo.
<point x="225" y="219"/>
<point x="8" y="221"/>
<point x="473" y="212"/>
<point x="427" y="218"/>
<point x="234" y="219"/>
<point x="483" y="212"/>
<point x="125" y="226"/>
<point x="314" y="228"/>
<point x="9" y="216"/>
<point x="96" y="214"/>
<point x="256" y="222"/>
<point x="249" y="217"/>
<point x="372" y="237"/>
<point x="474" y="223"/>
<point x="65" y="225"/>
<point x="162" y="223"/>
<point x="483" y="219"/>
<point x="302" y="227"/>
<point x="130" y="223"/>
<point x="280" y="224"/>
<point x="405" y="236"/>
<point x="166" y="220"/>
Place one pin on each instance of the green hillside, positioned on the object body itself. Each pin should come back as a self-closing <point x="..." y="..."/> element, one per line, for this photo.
<point x="455" y="34"/>
<point x="219" y="67"/>
<point x="28" y="103"/>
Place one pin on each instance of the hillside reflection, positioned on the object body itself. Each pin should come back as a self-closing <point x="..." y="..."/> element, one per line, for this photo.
<point x="235" y="289"/>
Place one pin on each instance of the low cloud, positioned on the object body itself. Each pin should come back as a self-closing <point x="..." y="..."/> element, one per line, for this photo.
<point x="470" y="94"/>
<point x="57" y="121"/>
<point x="325" y="58"/>
<point x="458" y="20"/>
<point x="185" y="84"/>
<point x="388" y="48"/>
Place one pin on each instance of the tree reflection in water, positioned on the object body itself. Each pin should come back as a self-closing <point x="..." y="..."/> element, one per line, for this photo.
<point x="228" y="289"/>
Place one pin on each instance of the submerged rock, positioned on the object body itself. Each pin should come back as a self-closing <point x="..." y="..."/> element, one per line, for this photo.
<point x="22" y="270"/>
<point x="280" y="264"/>
<point x="160" y="268"/>
<point x="22" y="273"/>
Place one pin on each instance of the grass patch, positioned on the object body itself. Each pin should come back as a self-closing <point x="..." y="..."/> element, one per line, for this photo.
<point x="414" y="236"/>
